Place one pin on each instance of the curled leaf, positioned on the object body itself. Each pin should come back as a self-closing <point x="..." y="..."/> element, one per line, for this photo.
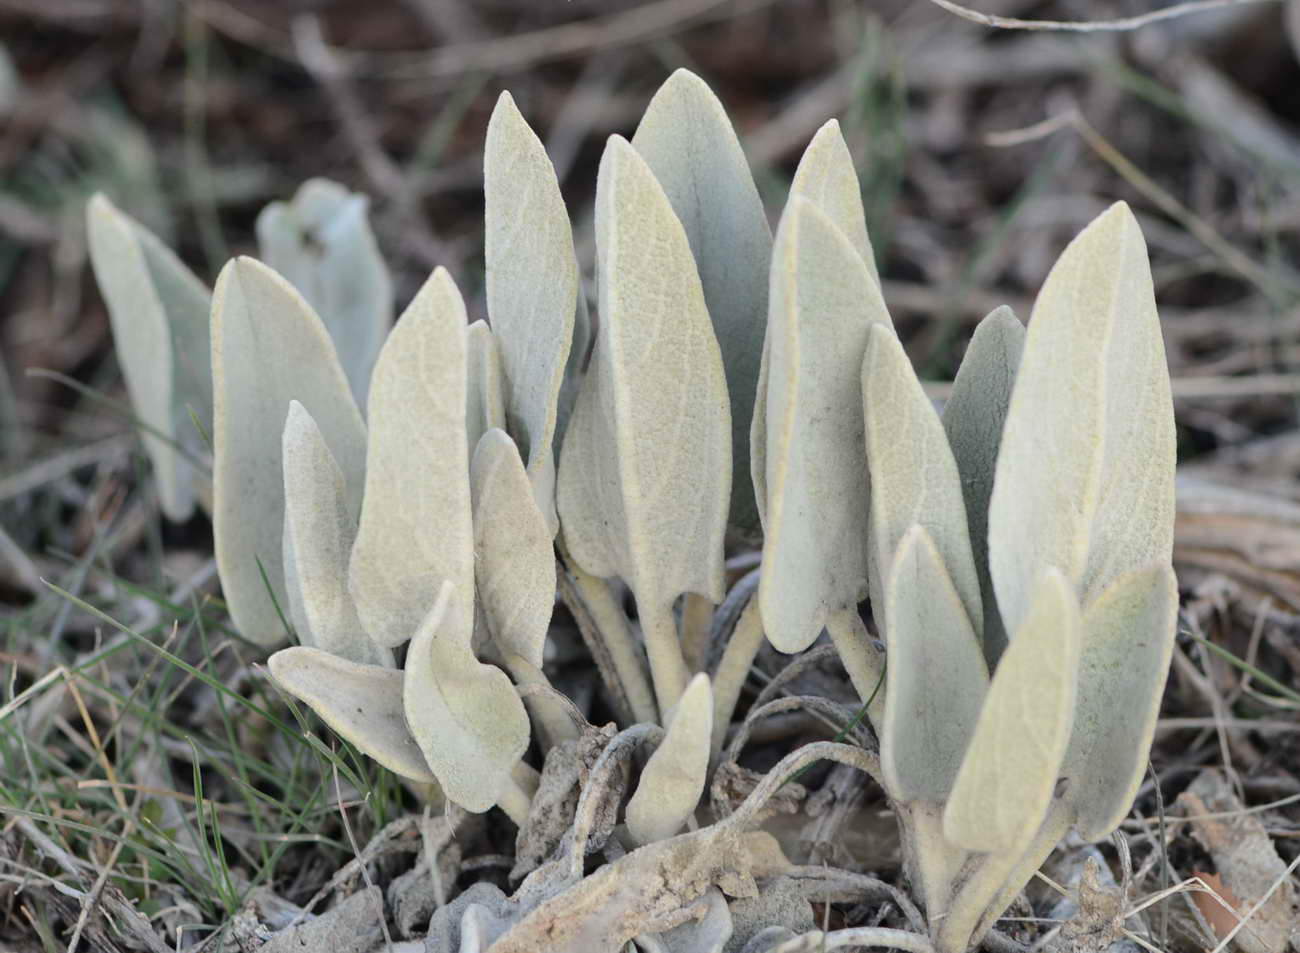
<point x="1085" y="474"/>
<point x="817" y="514"/>
<point x="1009" y="773"/>
<point x="362" y="703"/>
<point x="465" y="716"/>
<point x="935" y="680"/>
<point x="322" y="243"/>
<point x="415" y="529"/>
<point x="159" y="314"/>
<point x="673" y="779"/>
<point x="318" y="533"/>
<point x="691" y="148"/>
<point x="268" y="348"/>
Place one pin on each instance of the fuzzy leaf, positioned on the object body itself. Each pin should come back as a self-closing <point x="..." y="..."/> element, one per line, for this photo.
<point x="159" y="314"/>
<point x="322" y="243"/>
<point x="914" y="478"/>
<point x="514" y="559"/>
<point x="485" y="406"/>
<point x="1009" y="772"/>
<point x="1085" y="474"/>
<point x="827" y="178"/>
<point x="415" y="529"/>
<point x="532" y="285"/>
<point x="318" y="534"/>
<point x="673" y="778"/>
<point x="935" y="681"/>
<point x="815" y="545"/>
<point x="1128" y="637"/>
<point x="465" y="716"/>
<point x="361" y="703"/>
<point x="268" y="348"/>
<point x="689" y="144"/>
<point x="973" y="418"/>
<point x="644" y="471"/>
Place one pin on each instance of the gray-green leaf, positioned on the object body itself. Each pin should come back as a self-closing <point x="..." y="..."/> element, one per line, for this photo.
<point x="1128" y="637"/>
<point x="532" y="285"/>
<point x="318" y="534"/>
<point x="817" y="513"/>
<point x="973" y="418"/>
<point x="268" y="348"/>
<point x="673" y="779"/>
<point x="322" y="243"/>
<point x="1009" y="772"/>
<point x="935" y="681"/>
<point x="914" y="478"/>
<point x="159" y="314"/>
<point x="415" y="529"/>
<point x="689" y="144"/>
<point x="465" y="716"/>
<point x="485" y="406"/>
<point x="827" y="178"/>
<point x="362" y="703"/>
<point x="1085" y="474"/>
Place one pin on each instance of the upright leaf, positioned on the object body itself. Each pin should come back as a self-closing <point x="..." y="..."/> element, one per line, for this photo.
<point x="159" y="314"/>
<point x="415" y="529"/>
<point x="689" y="144"/>
<point x="465" y="716"/>
<point x="485" y="406"/>
<point x="914" y="478"/>
<point x="1085" y="472"/>
<point x="643" y="484"/>
<point x="673" y="779"/>
<point x="935" y="681"/>
<point x="973" y="418"/>
<point x="322" y="243"/>
<point x="815" y="544"/>
<point x="318" y="534"/>
<point x="361" y="703"/>
<point x="1010" y="769"/>
<point x="532" y="285"/>
<point x="268" y="348"/>
<point x="514" y="558"/>
<point x="827" y="178"/>
<point x="1128" y="637"/>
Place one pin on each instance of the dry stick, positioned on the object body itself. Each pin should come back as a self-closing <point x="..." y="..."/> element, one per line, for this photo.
<point x="733" y="670"/>
<point x="614" y="633"/>
<point x="1121" y="24"/>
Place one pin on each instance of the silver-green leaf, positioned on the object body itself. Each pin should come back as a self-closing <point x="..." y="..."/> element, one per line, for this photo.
<point x="1010" y="769"/>
<point x="415" y="530"/>
<point x="1085" y="471"/>
<point x="268" y="348"/>
<point x="817" y="513"/>
<point x="827" y="178"/>
<point x="673" y="779"/>
<point x="466" y="716"/>
<point x="935" y="681"/>
<point x="322" y="243"/>
<point x="485" y="405"/>
<point x="689" y="144"/>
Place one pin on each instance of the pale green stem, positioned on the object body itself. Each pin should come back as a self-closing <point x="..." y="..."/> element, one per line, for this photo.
<point x="549" y="713"/>
<point x="667" y="667"/>
<point x="994" y="881"/>
<point x="616" y="633"/>
<point x="526" y="777"/>
<point x="515" y="801"/>
<point x="862" y="660"/>
<point x="935" y="862"/>
<point x="697" y="621"/>
<point x="733" y="669"/>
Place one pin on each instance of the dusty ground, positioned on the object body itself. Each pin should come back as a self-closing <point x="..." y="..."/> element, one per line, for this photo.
<point x="982" y="151"/>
